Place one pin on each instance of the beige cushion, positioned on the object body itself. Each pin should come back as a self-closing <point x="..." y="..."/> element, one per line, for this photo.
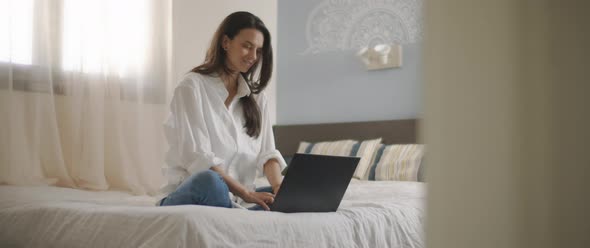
<point x="399" y="162"/>
<point x="366" y="150"/>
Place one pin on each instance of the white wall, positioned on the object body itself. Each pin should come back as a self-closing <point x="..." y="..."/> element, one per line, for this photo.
<point x="195" y="21"/>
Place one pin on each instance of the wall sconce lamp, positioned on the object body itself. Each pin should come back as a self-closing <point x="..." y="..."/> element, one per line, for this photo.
<point x="381" y="56"/>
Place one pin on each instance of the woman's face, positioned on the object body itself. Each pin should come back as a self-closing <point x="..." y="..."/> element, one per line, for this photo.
<point x="244" y="50"/>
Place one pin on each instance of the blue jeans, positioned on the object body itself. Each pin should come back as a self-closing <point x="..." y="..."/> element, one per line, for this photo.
<point x="206" y="188"/>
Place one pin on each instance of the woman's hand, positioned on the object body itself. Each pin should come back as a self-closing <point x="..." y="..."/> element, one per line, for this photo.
<point x="260" y="198"/>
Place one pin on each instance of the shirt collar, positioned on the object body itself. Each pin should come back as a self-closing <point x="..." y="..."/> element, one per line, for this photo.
<point x="243" y="88"/>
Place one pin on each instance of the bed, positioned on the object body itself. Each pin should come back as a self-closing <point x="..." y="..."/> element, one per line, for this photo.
<point x="372" y="213"/>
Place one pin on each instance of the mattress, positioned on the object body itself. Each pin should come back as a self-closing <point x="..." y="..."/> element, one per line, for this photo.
<point x="372" y="214"/>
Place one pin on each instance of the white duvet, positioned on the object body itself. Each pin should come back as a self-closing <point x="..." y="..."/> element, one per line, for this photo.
<point x="372" y="214"/>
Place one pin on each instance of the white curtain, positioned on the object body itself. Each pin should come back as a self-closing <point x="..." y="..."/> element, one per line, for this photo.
<point x="83" y="93"/>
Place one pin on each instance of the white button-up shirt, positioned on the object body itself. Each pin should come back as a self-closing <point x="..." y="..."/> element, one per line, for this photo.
<point x="203" y="132"/>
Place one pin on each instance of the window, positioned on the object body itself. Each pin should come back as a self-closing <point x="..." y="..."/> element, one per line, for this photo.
<point x="16" y="31"/>
<point x="94" y="35"/>
<point x="105" y="35"/>
<point x="126" y="41"/>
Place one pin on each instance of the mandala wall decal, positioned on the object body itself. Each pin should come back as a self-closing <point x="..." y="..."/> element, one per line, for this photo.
<point x="352" y="24"/>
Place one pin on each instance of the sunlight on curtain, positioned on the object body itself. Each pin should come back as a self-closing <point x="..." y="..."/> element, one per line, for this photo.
<point x="113" y="33"/>
<point x="82" y="95"/>
<point x="16" y="24"/>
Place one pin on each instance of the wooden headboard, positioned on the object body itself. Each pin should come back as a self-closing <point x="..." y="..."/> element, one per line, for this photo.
<point x="287" y="137"/>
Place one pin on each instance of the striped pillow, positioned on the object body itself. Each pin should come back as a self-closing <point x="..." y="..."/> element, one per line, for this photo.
<point x="364" y="150"/>
<point x="397" y="162"/>
<point x="335" y="148"/>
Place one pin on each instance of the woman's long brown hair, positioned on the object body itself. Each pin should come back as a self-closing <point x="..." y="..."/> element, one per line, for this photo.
<point x="215" y="63"/>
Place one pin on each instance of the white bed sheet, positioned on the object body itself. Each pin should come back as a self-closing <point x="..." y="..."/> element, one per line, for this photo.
<point x="372" y="214"/>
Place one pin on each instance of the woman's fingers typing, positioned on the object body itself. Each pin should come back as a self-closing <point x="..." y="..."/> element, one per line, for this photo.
<point x="260" y="198"/>
<point x="264" y="205"/>
<point x="269" y="198"/>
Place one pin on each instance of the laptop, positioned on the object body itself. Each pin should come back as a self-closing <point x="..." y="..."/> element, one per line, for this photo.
<point x="314" y="183"/>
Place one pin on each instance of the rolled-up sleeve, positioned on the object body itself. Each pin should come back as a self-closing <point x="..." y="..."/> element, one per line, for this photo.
<point x="268" y="150"/>
<point x="186" y="132"/>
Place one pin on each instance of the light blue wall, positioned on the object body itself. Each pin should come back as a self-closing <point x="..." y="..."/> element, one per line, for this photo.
<point x="335" y="86"/>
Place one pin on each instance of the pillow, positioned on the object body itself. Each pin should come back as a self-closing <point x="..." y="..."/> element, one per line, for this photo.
<point x="335" y="148"/>
<point x="397" y="162"/>
<point x="421" y="170"/>
<point x="370" y="169"/>
<point x="364" y="150"/>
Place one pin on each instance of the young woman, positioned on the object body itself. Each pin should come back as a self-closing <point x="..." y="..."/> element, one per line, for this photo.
<point x="219" y="130"/>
